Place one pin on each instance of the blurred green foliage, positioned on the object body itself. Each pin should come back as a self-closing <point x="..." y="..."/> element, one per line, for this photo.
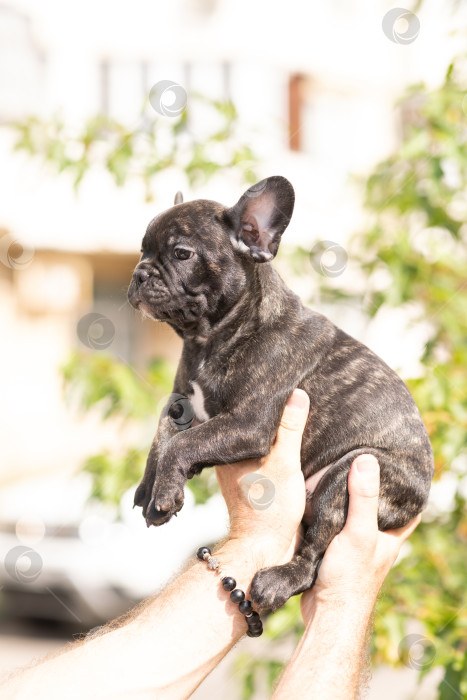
<point x="98" y="381"/>
<point x="96" y="378"/>
<point x="144" y="151"/>
<point x="411" y="254"/>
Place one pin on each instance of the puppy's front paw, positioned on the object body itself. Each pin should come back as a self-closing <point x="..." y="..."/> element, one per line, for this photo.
<point x="164" y="503"/>
<point x="143" y="496"/>
<point x="270" y="589"/>
<point x="143" y="493"/>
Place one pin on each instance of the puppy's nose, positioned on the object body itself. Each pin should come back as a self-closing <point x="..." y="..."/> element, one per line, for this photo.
<point x="141" y="275"/>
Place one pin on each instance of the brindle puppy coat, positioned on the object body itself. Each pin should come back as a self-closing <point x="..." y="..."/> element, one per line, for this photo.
<point x="248" y="342"/>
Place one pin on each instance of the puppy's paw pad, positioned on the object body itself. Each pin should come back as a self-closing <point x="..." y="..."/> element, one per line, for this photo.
<point x="270" y="589"/>
<point x="170" y="505"/>
<point x="164" y="503"/>
<point x="157" y="516"/>
<point x="169" y="501"/>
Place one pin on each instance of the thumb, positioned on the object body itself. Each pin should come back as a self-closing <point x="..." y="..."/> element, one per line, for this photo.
<point x="289" y="434"/>
<point x="363" y="496"/>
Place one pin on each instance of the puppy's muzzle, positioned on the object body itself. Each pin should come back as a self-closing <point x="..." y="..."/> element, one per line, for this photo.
<point x="148" y="281"/>
<point x="140" y="275"/>
<point x="147" y="287"/>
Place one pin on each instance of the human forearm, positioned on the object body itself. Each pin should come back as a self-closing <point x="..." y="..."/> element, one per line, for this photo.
<point x="168" y="646"/>
<point x="197" y="624"/>
<point x="332" y="654"/>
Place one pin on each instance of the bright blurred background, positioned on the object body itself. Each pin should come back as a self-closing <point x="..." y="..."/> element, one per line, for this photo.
<point x="363" y="107"/>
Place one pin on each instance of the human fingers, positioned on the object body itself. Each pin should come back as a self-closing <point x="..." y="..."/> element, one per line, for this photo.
<point x="401" y="534"/>
<point x="363" y="484"/>
<point x="289" y="434"/>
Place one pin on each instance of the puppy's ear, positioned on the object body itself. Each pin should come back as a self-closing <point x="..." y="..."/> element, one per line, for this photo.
<point x="178" y="198"/>
<point x="261" y="216"/>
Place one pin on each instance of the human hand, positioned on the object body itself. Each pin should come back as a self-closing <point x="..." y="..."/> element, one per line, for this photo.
<point x="359" y="558"/>
<point x="266" y="498"/>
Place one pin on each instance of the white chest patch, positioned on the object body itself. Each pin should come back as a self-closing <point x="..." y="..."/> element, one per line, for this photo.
<point x="197" y="401"/>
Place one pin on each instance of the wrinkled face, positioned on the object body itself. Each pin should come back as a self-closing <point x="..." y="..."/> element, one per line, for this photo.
<point x="198" y="257"/>
<point x="189" y="267"/>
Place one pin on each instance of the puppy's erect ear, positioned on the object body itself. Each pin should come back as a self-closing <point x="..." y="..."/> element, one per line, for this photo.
<point x="178" y="198"/>
<point x="261" y="216"/>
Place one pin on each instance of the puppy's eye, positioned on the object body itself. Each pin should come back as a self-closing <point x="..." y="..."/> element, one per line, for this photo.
<point x="183" y="253"/>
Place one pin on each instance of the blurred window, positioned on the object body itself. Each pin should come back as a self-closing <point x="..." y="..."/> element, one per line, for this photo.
<point x="22" y="64"/>
<point x="108" y="301"/>
<point x="125" y="85"/>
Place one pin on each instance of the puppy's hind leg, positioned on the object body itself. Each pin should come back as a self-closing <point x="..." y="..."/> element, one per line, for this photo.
<point x="273" y="586"/>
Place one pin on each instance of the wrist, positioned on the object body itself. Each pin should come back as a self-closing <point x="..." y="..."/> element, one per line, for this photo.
<point x="236" y="568"/>
<point x="258" y="551"/>
<point x="239" y="558"/>
<point x="351" y="603"/>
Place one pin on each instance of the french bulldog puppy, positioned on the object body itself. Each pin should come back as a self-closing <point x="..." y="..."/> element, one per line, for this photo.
<point x="248" y="341"/>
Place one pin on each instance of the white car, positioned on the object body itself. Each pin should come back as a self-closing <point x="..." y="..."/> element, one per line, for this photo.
<point x="65" y="558"/>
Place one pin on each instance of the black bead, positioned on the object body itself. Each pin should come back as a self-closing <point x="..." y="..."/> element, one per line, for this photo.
<point x="202" y="551"/>
<point x="245" y="606"/>
<point x="254" y="617"/>
<point x="256" y="626"/>
<point x="228" y="583"/>
<point x="237" y="596"/>
<point x="255" y="633"/>
<point x="252" y="622"/>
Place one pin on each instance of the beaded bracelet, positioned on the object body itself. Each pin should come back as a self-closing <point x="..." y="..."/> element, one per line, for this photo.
<point x="255" y="626"/>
